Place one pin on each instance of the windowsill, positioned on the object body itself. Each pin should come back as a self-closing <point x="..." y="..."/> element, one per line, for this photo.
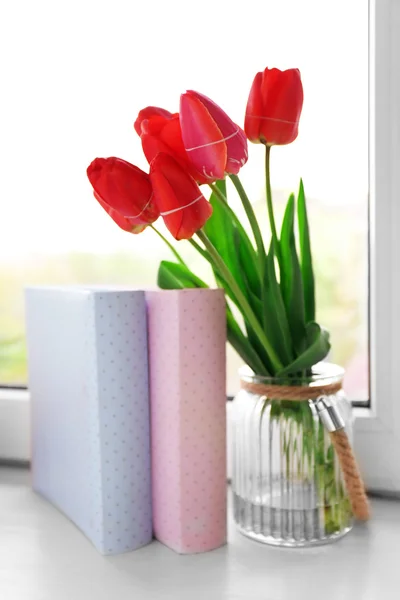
<point x="44" y="556"/>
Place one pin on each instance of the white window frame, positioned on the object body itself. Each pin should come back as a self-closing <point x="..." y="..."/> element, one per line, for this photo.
<point x="14" y="425"/>
<point x="377" y="429"/>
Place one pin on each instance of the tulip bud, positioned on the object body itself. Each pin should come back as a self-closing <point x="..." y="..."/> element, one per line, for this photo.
<point x="124" y="191"/>
<point x="274" y="107"/>
<point x="214" y="143"/>
<point x="178" y="197"/>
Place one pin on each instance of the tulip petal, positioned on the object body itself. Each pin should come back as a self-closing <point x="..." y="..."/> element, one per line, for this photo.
<point x="121" y="221"/>
<point x="147" y="113"/>
<point x="202" y="138"/>
<point x="235" y="139"/>
<point x="237" y="152"/>
<point x="152" y="146"/>
<point x="153" y="126"/>
<point x="254" y="111"/>
<point x="178" y="197"/>
<point x="171" y="135"/>
<point x="164" y="135"/>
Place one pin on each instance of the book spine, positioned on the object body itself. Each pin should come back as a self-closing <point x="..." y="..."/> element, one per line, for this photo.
<point x="123" y="420"/>
<point x="187" y="339"/>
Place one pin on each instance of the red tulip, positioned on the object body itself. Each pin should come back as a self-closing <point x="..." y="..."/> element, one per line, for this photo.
<point x="178" y="197"/>
<point x="274" y="107"/>
<point x="160" y="131"/>
<point x="214" y="143"/>
<point x="124" y="191"/>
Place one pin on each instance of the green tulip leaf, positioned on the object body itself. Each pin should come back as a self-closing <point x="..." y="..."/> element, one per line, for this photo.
<point x="248" y="266"/>
<point x="243" y="346"/>
<point x="275" y="320"/>
<point x="307" y="271"/>
<point x="318" y="348"/>
<point x="258" y="358"/>
<point x="223" y="230"/>
<point x="175" y="276"/>
<point x="248" y="261"/>
<point x="261" y="366"/>
<point x="291" y="280"/>
<point x="220" y="231"/>
<point x="259" y="348"/>
<point x="254" y="350"/>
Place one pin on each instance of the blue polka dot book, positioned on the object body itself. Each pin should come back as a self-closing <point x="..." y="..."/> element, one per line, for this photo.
<point x="88" y="379"/>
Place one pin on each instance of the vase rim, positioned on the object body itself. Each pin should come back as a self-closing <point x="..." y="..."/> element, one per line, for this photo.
<point x="323" y="373"/>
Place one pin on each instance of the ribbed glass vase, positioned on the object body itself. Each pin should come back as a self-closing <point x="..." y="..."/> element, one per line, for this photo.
<point x="287" y="484"/>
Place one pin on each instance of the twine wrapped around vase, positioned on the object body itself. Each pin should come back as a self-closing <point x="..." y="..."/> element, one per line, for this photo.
<point x="331" y="419"/>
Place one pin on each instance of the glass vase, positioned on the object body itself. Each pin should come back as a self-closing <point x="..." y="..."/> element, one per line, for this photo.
<point x="287" y="484"/>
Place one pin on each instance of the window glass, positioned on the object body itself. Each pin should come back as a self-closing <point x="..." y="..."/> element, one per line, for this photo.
<point x="76" y="75"/>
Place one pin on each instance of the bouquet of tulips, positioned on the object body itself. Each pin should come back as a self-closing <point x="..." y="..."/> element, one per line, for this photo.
<point x="270" y="285"/>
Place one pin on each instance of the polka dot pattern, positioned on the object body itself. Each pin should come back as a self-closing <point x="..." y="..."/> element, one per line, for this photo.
<point x="123" y="419"/>
<point x="187" y="333"/>
<point x="88" y="374"/>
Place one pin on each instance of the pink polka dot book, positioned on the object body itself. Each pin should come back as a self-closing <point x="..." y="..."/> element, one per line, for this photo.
<point x="187" y="341"/>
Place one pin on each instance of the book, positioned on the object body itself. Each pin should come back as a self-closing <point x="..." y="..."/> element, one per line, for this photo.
<point x="88" y="379"/>
<point x="187" y="342"/>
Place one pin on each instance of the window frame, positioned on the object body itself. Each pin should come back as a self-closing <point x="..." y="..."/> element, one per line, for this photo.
<point x="14" y="425"/>
<point x="377" y="427"/>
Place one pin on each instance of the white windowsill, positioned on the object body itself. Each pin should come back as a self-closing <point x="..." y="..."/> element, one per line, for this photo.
<point x="59" y="562"/>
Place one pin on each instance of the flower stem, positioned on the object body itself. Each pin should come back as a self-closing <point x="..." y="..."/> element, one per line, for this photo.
<point x="241" y="299"/>
<point x="250" y="215"/>
<point x="218" y="192"/>
<point x="270" y="205"/>
<point x="170" y="246"/>
<point x="199" y="249"/>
